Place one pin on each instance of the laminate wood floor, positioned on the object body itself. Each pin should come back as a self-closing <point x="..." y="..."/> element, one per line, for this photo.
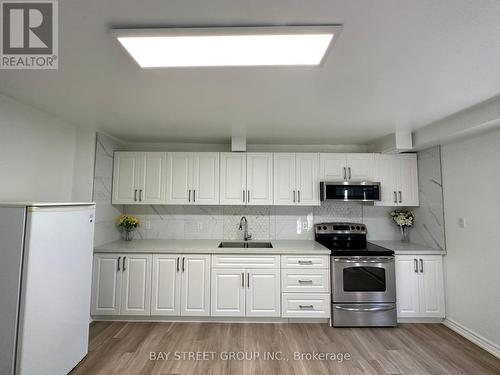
<point x="125" y="349"/>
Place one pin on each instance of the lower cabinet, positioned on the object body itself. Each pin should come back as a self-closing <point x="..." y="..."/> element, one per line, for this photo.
<point x="181" y="285"/>
<point x="121" y="284"/>
<point x="419" y="286"/>
<point x="246" y="292"/>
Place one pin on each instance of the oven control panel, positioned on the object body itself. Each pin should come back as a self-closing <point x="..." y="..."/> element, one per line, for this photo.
<point x="340" y="228"/>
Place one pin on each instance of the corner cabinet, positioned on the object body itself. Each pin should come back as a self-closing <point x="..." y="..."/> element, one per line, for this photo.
<point x="246" y="178"/>
<point x="139" y="177"/>
<point x="347" y="167"/>
<point x="398" y="177"/>
<point x="419" y="286"/>
<point x="296" y="179"/>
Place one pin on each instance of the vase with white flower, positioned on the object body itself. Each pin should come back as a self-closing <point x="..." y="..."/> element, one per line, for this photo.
<point x="405" y="219"/>
<point x="127" y="224"/>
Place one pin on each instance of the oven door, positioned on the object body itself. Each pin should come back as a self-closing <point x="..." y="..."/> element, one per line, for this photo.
<point x="363" y="279"/>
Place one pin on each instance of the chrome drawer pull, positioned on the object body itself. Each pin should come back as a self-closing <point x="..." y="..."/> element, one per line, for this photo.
<point x="305" y="262"/>
<point x="306" y="307"/>
<point x="305" y="281"/>
<point x="366" y="260"/>
<point x="381" y="308"/>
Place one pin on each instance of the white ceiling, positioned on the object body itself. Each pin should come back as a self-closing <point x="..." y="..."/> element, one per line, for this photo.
<point x="397" y="65"/>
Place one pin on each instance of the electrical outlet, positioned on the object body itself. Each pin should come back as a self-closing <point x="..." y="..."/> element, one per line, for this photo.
<point x="304" y="225"/>
<point x="461" y="222"/>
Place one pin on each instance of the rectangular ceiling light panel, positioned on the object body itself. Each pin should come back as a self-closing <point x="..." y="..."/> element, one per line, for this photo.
<point x="228" y="46"/>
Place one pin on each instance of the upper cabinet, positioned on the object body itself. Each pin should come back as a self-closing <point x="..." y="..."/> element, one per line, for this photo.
<point x="296" y="179"/>
<point x="192" y="178"/>
<point x="398" y="176"/>
<point x="246" y="178"/>
<point x="346" y="167"/>
<point x="139" y="177"/>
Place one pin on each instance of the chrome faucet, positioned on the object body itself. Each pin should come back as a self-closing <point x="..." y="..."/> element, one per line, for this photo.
<point x="244" y="226"/>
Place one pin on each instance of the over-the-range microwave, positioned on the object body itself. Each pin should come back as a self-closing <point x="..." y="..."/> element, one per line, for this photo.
<point x="362" y="191"/>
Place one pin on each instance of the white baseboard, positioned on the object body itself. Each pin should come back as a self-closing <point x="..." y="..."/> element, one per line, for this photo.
<point x="479" y="340"/>
<point x="206" y="319"/>
<point x="420" y="320"/>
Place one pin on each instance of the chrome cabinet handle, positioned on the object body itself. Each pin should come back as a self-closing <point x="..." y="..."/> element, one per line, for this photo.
<point x="349" y="173"/>
<point x="135" y="195"/>
<point x="248" y="280"/>
<point x="381" y="308"/>
<point x="395" y="197"/>
<point x="345" y="175"/>
<point x="177" y="264"/>
<point x="248" y="196"/>
<point x="415" y="265"/>
<point x="298" y="196"/>
<point x="305" y="281"/>
<point x="243" y="279"/>
<point x="243" y="196"/>
<point x="294" y="196"/>
<point x="421" y="266"/>
<point x="119" y="258"/>
<point x="400" y="197"/>
<point x="306" y="307"/>
<point x="305" y="262"/>
<point x="140" y="195"/>
<point x="189" y="195"/>
<point x="194" y="195"/>
<point x="183" y="264"/>
<point x="124" y="263"/>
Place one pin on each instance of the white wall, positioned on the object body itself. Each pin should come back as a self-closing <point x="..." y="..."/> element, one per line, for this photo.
<point x="83" y="168"/>
<point x="471" y="185"/>
<point x="36" y="154"/>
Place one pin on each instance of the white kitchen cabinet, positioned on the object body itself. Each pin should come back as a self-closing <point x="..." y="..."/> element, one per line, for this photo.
<point x="263" y="292"/>
<point x="192" y="178"/>
<point x="139" y="178"/>
<point x="259" y="179"/>
<point x="296" y="179"/>
<point x="233" y="178"/>
<point x="228" y="292"/>
<point x="121" y="284"/>
<point x="398" y="177"/>
<point x="181" y="285"/>
<point x="348" y="167"/>
<point x="419" y="286"/>
<point x="195" y="285"/>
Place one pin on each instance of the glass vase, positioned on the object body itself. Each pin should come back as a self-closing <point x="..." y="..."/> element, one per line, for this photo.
<point x="128" y="235"/>
<point x="405" y="234"/>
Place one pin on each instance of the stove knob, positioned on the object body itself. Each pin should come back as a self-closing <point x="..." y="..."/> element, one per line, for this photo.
<point x="363" y="227"/>
<point x="358" y="227"/>
<point x="324" y="227"/>
<point x="352" y="227"/>
<point x="319" y="227"/>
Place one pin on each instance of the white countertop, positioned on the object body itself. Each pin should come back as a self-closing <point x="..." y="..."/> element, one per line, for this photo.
<point x="401" y="248"/>
<point x="210" y="247"/>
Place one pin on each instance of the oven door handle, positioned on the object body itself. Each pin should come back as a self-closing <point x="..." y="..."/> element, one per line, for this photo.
<point x="368" y="260"/>
<point x="366" y="309"/>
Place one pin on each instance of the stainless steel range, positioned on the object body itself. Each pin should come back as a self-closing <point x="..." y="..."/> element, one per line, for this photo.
<point x="363" y="277"/>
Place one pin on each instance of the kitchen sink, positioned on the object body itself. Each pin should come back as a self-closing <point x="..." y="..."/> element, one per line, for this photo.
<point x="246" y="245"/>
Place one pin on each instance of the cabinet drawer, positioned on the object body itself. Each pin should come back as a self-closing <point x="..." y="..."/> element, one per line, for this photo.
<point x="305" y="280"/>
<point x="305" y="261"/>
<point x="301" y="305"/>
<point x="245" y="261"/>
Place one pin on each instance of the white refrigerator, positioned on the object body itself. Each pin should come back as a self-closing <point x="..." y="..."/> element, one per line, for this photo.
<point x="45" y="283"/>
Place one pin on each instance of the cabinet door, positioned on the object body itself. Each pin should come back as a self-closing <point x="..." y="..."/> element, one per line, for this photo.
<point x="152" y="188"/>
<point x="408" y="180"/>
<point x="360" y="167"/>
<point x="228" y="292"/>
<point x="166" y="290"/>
<point x="136" y="284"/>
<point x="307" y="169"/>
<point x="206" y="178"/>
<point x="386" y="172"/>
<point x="233" y="178"/>
<point x="407" y="280"/>
<point x="431" y="290"/>
<point x="106" y="284"/>
<point x="333" y="167"/>
<point x="195" y="285"/>
<point x="127" y="175"/>
<point x="263" y="293"/>
<point x="179" y="178"/>
<point x="260" y="179"/>
<point x="284" y="179"/>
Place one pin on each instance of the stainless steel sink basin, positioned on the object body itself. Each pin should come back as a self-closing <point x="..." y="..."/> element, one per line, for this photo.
<point x="246" y="245"/>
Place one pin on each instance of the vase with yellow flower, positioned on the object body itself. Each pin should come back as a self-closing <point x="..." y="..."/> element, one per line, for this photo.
<point x="127" y="224"/>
